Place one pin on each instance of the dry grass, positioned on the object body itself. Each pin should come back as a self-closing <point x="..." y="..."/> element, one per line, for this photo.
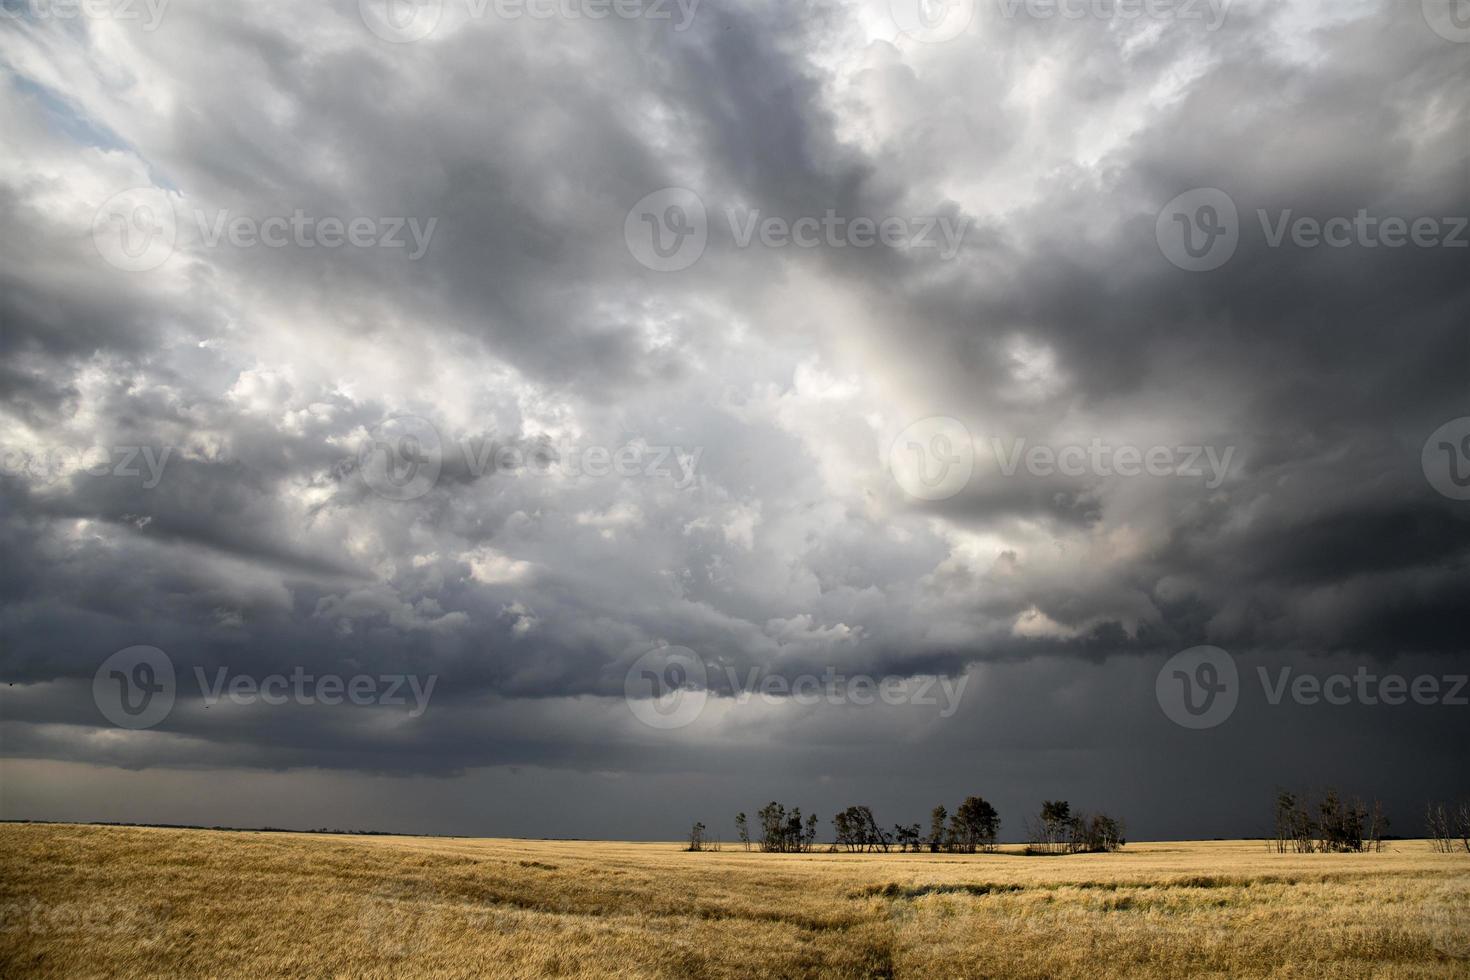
<point x="95" y="901"/>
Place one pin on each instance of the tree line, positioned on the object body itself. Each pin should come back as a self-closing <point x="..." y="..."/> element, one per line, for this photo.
<point x="1327" y="824"/>
<point x="973" y="827"/>
<point x="1330" y="825"/>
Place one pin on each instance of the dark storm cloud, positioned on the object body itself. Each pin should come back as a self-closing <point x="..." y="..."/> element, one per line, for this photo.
<point x="528" y="324"/>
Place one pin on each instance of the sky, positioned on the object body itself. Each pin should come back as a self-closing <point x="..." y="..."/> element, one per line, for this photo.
<point x="580" y="419"/>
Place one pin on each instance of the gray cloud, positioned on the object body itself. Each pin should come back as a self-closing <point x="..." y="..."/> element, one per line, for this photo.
<point x="528" y="324"/>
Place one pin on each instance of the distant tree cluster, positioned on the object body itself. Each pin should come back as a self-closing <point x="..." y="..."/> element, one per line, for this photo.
<point x="699" y="840"/>
<point x="1448" y="827"/>
<point x="1057" y="830"/>
<point x="782" y="831"/>
<point x="974" y="826"/>
<point x="1332" y="826"/>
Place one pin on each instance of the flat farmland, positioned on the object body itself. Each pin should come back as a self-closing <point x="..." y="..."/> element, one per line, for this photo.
<point x="132" y="901"/>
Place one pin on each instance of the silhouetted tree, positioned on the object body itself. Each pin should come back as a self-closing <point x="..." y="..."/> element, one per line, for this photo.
<point x="1058" y="830"/>
<point x="773" y="826"/>
<point x="1334" y="825"/>
<point x="696" y="837"/>
<point x="743" y="829"/>
<point x="856" y="830"/>
<point x="975" y="825"/>
<point x="937" y="818"/>
<point x="783" y="831"/>
<point x="1053" y="831"/>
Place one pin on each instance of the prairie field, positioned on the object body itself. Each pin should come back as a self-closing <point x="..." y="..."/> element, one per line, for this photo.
<point x="86" y="901"/>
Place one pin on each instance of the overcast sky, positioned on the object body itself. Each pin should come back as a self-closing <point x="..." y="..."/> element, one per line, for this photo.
<point x="454" y="348"/>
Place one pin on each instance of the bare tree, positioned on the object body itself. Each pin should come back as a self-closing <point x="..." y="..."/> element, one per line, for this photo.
<point x="1448" y="827"/>
<point x="696" y="837"/>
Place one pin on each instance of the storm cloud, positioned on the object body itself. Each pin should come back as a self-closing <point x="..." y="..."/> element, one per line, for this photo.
<point x="515" y="453"/>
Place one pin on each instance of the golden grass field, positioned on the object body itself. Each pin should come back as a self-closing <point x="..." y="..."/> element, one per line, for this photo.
<point x="81" y="901"/>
